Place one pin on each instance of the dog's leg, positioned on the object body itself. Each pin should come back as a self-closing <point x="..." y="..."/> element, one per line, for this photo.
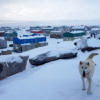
<point x="89" y="87"/>
<point x="83" y="83"/>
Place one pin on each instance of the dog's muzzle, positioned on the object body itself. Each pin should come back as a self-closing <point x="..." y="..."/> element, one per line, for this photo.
<point x="83" y="73"/>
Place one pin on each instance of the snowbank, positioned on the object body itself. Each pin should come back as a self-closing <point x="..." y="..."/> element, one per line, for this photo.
<point x="93" y="42"/>
<point x="11" y="59"/>
<point x="57" y="80"/>
<point x="51" y="56"/>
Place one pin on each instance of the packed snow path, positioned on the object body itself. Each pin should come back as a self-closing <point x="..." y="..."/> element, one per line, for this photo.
<point x="57" y="80"/>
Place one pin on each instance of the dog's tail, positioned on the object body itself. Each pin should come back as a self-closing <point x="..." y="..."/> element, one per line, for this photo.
<point x="92" y="55"/>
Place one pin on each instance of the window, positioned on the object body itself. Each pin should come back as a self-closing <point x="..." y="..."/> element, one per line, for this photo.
<point x="31" y="41"/>
<point x="36" y="40"/>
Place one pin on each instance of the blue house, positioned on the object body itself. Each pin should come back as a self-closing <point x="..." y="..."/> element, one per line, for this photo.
<point x="25" y="40"/>
<point x="28" y="43"/>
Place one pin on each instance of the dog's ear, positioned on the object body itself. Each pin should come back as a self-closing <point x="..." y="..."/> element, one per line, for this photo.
<point x="81" y="62"/>
<point x="87" y="63"/>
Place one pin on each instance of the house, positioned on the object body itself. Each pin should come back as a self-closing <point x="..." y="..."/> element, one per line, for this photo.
<point x="17" y="29"/>
<point x="78" y="28"/>
<point x="9" y="35"/>
<point x="56" y="34"/>
<point x="35" y="28"/>
<point x="47" y="29"/>
<point x="32" y="28"/>
<point x="27" y="43"/>
<point x="59" y="29"/>
<point x="2" y="33"/>
<point x="95" y="31"/>
<point x="69" y="36"/>
<point x="3" y="44"/>
<point x="5" y="28"/>
<point x="39" y="32"/>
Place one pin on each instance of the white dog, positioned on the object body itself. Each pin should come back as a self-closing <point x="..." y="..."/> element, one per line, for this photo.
<point x="86" y="69"/>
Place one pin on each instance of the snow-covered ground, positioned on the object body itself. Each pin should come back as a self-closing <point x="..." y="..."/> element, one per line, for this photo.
<point x="56" y="80"/>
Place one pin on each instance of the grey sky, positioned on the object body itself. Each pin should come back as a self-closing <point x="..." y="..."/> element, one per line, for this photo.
<point x="37" y="10"/>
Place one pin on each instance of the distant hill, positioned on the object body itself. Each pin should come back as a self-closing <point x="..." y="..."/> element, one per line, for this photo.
<point x="46" y="23"/>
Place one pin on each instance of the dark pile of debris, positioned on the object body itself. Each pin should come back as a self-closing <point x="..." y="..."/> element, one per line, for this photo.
<point x="89" y="49"/>
<point x="11" y="68"/>
<point x="58" y="36"/>
<point x="44" y="58"/>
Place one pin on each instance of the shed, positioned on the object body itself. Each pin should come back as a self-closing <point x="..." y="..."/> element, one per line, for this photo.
<point x="72" y="35"/>
<point x="56" y="34"/>
<point x="3" y="44"/>
<point x="10" y="35"/>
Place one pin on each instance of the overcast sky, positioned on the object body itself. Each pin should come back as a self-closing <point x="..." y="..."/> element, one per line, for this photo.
<point x="40" y="10"/>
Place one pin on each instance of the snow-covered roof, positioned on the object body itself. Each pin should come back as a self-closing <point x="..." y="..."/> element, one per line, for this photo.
<point x="36" y="30"/>
<point x="27" y="28"/>
<point x="30" y="37"/>
<point x="12" y="59"/>
<point x="95" y="29"/>
<point x="2" y="40"/>
<point x="10" y="31"/>
<point x="56" y="31"/>
<point x="2" y="31"/>
<point x="48" y="28"/>
<point x="30" y="43"/>
<point x="78" y="27"/>
<point x="75" y="32"/>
